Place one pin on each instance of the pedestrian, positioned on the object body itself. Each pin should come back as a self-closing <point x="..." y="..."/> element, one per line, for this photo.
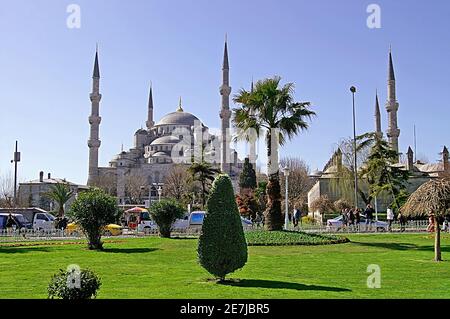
<point x="357" y="218"/>
<point x="297" y="216"/>
<point x="369" y="216"/>
<point x="431" y="225"/>
<point x="351" y="219"/>
<point x="445" y="224"/>
<point x="390" y="218"/>
<point x="10" y="223"/>
<point x="63" y="223"/>
<point x="402" y="221"/>
<point x="344" y="218"/>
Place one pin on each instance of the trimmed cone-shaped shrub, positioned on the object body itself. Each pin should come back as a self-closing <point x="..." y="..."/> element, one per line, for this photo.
<point x="222" y="248"/>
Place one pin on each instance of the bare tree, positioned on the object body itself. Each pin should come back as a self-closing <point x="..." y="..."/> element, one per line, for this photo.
<point x="136" y="187"/>
<point x="178" y="184"/>
<point x="299" y="181"/>
<point x="6" y="190"/>
<point x="107" y="182"/>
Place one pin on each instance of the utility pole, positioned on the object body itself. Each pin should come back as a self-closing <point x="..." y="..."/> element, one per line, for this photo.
<point x="15" y="161"/>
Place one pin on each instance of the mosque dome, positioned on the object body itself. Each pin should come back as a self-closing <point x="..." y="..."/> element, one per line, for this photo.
<point x="160" y="154"/>
<point x="178" y="118"/>
<point x="168" y="139"/>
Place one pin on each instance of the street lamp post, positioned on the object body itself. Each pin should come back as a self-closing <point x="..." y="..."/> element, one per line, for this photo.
<point x="286" y="216"/>
<point x="159" y="193"/>
<point x="355" y="169"/>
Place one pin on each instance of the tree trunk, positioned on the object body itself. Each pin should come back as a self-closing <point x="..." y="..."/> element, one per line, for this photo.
<point x="437" y="240"/>
<point x="273" y="216"/>
<point x="203" y="194"/>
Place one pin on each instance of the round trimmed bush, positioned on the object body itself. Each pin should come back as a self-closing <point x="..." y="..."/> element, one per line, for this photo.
<point x="165" y="213"/>
<point x="222" y="248"/>
<point x="72" y="285"/>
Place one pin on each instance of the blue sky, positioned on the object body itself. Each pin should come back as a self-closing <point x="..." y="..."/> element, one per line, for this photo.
<point x="324" y="47"/>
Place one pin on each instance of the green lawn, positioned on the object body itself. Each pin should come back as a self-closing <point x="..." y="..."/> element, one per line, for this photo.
<point x="168" y="268"/>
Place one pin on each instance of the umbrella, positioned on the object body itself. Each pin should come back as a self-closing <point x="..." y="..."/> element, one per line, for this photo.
<point x="432" y="197"/>
<point x="136" y="210"/>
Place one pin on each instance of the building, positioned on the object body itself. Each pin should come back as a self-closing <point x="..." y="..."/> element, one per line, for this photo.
<point x="174" y="139"/>
<point x="33" y="193"/>
<point x="419" y="172"/>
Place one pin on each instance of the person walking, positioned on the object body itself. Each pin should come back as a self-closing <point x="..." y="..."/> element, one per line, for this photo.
<point x="369" y="216"/>
<point x="344" y="218"/>
<point x="402" y="221"/>
<point x="351" y="219"/>
<point x="357" y="218"/>
<point x="297" y="216"/>
<point x="10" y="223"/>
<point x="390" y="218"/>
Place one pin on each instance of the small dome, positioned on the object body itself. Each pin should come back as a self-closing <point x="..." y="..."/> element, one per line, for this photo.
<point x="168" y="139"/>
<point x="160" y="154"/>
<point x="178" y="118"/>
<point x="141" y="131"/>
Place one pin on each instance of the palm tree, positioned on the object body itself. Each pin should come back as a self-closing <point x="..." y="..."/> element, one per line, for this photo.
<point x="431" y="198"/>
<point x="60" y="193"/>
<point x="204" y="173"/>
<point x="271" y="109"/>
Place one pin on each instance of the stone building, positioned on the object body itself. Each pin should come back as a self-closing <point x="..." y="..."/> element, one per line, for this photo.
<point x="174" y="139"/>
<point x="33" y="193"/>
<point x="419" y="172"/>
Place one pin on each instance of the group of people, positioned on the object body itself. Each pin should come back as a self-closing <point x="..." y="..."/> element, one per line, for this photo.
<point x="351" y="218"/>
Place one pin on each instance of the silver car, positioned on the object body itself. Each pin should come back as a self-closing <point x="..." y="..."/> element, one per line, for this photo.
<point x="335" y="224"/>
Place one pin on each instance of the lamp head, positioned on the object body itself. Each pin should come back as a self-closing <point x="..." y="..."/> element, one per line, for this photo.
<point x="353" y="89"/>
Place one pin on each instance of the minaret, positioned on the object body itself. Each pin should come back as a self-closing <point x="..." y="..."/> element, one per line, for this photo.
<point x="94" y="121"/>
<point x="377" y="117"/>
<point x="252" y="153"/>
<point x="393" y="131"/>
<point x="225" y="112"/>
<point x="445" y="159"/>
<point x="150" y="121"/>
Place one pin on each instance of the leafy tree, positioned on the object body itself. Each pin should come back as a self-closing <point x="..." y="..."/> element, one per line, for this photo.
<point x="247" y="179"/>
<point x="92" y="211"/>
<point x="204" y="173"/>
<point x="165" y="213"/>
<point x="222" y="248"/>
<point x="60" y="193"/>
<point x="271" y="109"/>
<point x="381" y="173"/>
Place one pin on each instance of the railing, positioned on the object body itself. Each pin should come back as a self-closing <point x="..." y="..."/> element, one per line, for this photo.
<point x="31" y="234"/>
<point x="35" y="235"/>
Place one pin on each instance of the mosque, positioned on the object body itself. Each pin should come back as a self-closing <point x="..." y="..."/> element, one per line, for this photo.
<point x="172" y="140"/>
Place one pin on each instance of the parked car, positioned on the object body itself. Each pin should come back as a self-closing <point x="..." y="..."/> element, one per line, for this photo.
<point x="335" y="224"/>
<point x="195" y="219"/>
<point x="21" y="221"/>
<point x="74" y="229"/>
<point x="40" y="219"/>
